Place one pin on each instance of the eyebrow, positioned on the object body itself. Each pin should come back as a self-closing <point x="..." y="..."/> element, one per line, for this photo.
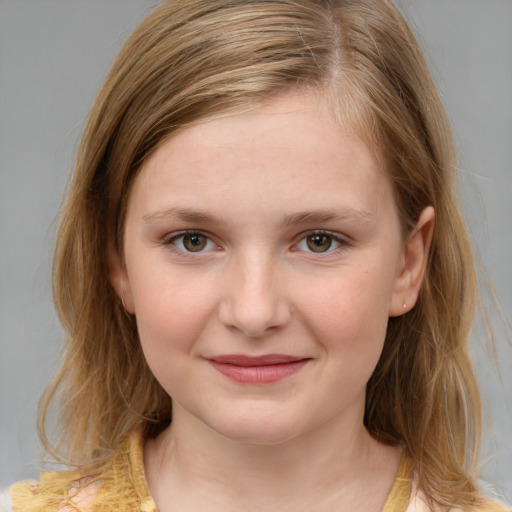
<point x="183" y="214"/>
<point x="319" y="216"/>
<point x="306" y="217"/>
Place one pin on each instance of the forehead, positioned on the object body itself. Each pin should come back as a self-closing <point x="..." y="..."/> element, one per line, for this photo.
<point x="292" y="144"/>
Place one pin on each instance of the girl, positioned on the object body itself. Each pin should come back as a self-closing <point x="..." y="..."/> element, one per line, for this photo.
<point x="264" y="275"/>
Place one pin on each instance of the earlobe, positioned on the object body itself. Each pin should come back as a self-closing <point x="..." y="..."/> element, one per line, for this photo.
<point x="119" y="280"/>
<point x="415" y="257"/>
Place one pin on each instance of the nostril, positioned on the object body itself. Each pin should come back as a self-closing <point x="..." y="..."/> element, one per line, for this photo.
<point x="252" y="320"/>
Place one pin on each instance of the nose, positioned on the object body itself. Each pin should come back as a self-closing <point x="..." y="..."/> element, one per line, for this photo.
<point x="254" y="300"/>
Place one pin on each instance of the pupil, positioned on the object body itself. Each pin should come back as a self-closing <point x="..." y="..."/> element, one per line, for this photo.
<point x="194" y="243"/>
<point x="319" y="243"/>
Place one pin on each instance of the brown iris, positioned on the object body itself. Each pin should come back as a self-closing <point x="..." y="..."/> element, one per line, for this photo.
<point x="319" y="242"/>
<point x="194" y="242"/>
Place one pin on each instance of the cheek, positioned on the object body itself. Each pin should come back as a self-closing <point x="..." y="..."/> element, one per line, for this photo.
<point x="171" y="311"/>
<point x="171" y="316"/>
<point x="349" y="310"/>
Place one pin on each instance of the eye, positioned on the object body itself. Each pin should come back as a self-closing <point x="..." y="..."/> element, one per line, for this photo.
<point x="192" y="242"/>
<point x="319" y="242"/>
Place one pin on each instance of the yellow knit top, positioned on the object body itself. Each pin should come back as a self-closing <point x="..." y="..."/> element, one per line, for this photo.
<point x="122" y="488"/>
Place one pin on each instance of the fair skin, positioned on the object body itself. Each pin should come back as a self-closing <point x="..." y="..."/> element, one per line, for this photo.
<point x="263" y="256"/>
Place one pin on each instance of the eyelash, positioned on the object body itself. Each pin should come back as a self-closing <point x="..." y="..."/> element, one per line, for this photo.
<point x="341" y="242"/>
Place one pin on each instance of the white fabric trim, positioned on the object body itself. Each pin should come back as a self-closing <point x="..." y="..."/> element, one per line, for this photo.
<point x="5" y="502"/>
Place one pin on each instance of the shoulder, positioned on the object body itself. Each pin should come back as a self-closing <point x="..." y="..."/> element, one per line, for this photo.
<point x="418" y="504"/>
<point x="494" y="506"/>
<point x="119" y="486"/>
<point x="54" y="492"/>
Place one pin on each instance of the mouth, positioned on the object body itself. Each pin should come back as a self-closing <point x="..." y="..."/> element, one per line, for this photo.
<point x="257" y="369"/>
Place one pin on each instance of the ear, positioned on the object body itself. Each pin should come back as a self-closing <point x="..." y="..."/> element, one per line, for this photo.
<point x="119" y="279"/>
<point x="414" y="262"/>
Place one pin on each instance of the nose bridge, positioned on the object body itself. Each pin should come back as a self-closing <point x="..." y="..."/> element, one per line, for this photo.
<point x="254" y="300"/>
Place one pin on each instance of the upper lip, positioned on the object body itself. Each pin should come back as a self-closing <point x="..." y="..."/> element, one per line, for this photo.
<point x="264" y="360"/>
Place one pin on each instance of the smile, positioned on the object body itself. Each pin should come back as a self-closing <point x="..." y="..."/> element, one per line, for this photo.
<point x="257" y="370"/>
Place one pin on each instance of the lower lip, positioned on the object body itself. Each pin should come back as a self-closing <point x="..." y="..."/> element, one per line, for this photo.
<point x="263" y="374"/>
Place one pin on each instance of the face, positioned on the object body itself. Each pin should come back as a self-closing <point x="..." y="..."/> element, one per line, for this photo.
<point x="263" y="257"/>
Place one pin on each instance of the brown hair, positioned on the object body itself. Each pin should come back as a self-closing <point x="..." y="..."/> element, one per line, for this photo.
<point x="195" y="59"/>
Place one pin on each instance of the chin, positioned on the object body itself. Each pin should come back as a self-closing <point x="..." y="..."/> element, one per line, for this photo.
<point x="264" y="429"/>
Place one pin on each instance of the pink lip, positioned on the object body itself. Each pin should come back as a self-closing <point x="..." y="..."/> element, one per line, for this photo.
<point x="257" y="369"/>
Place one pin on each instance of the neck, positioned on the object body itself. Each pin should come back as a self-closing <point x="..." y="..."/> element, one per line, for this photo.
<point x="322" y="462"/>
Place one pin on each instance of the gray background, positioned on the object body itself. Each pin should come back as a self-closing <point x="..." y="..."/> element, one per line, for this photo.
<point x="53" y="55"/>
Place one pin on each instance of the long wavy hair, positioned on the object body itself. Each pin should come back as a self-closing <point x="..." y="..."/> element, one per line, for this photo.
<point x="192" y="60"/>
